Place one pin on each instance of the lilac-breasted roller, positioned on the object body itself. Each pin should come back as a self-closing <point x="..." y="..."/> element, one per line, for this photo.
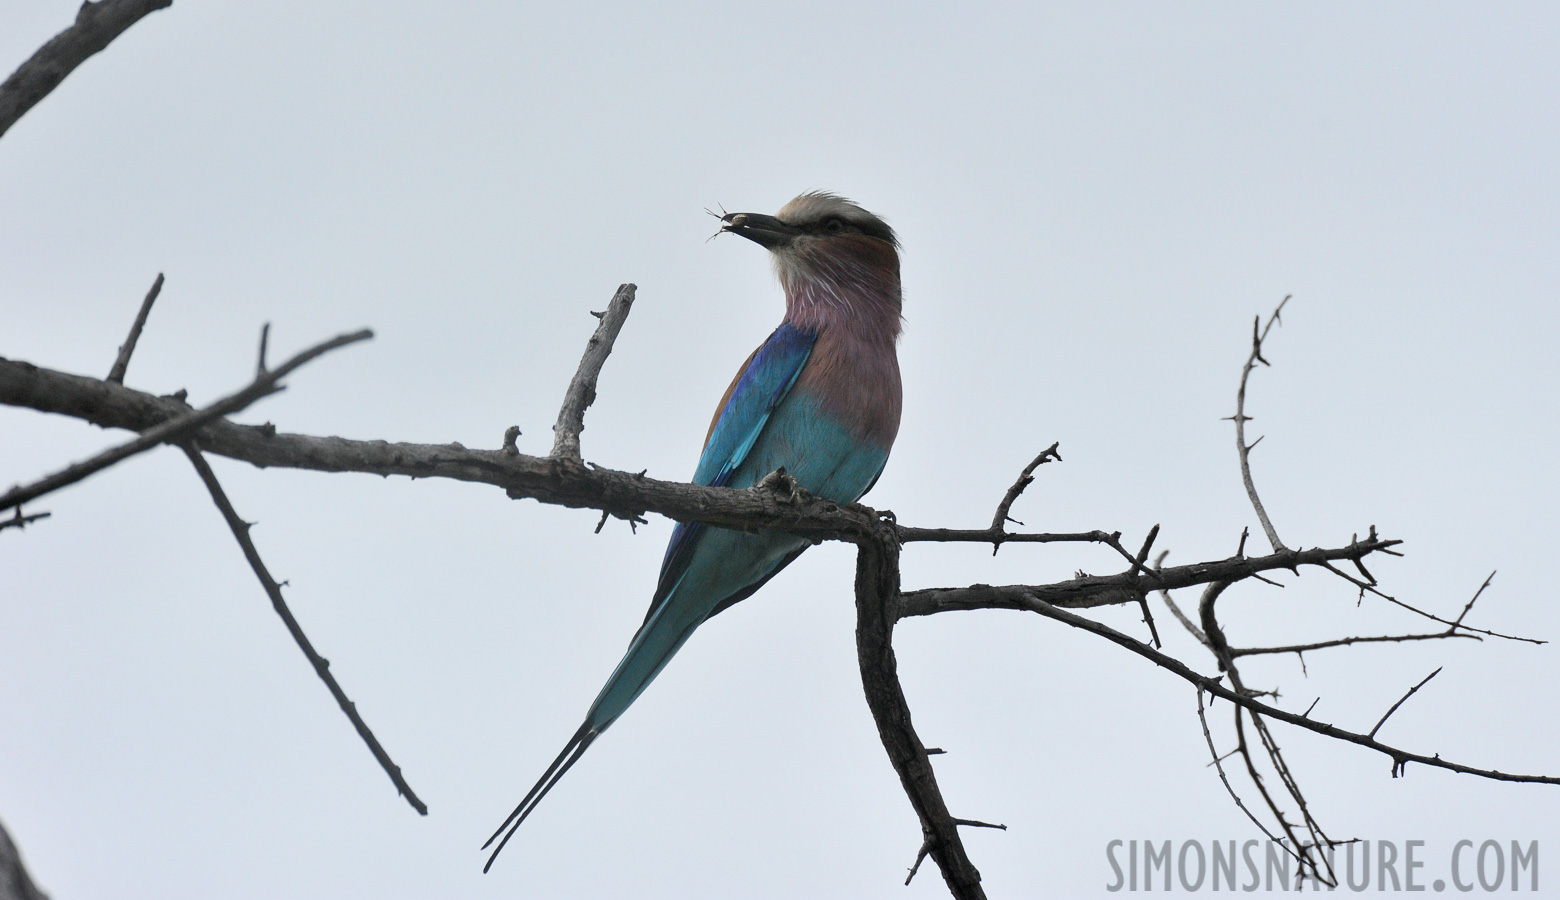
<point x="820" y="397"/>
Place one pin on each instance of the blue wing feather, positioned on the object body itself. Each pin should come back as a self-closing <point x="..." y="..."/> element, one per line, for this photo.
<point x="760" y="388"/>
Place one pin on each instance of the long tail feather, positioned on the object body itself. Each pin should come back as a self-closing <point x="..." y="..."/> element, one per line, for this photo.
<point x="571" y="754"/>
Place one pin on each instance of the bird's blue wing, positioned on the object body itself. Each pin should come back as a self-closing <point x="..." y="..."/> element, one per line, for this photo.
<point x="758" y="390"/>
<point x="762" y="385"/>
<point x="755" y="393"/>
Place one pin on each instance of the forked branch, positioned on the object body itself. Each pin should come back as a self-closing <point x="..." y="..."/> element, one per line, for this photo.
<point x="176" y="428"/>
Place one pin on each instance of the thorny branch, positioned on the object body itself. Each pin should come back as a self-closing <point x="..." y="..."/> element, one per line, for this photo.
<point x="1213" y="685"/>
<point x="240" y="529"/>
<point x="1258" y="335"/>
<point x="1309" y="862"/>
<point x="1297" y="847"/>
<point x="1218" y="764"/>
<point x="1404" y="699"/>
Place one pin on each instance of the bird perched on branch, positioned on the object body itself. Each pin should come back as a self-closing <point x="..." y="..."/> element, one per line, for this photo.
<point x="820" y="399"/>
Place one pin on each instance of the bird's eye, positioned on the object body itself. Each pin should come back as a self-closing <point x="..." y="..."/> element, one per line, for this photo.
<point x="834" y="226"/>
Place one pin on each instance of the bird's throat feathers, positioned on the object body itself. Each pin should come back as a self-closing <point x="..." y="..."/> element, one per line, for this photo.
<point x="842" y="283"/>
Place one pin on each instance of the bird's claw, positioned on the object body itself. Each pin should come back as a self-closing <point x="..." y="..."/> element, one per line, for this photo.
<point x="780" y="483"/>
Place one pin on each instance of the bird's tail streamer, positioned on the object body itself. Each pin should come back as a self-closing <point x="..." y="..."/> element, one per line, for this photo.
<point x="571" y="754"/>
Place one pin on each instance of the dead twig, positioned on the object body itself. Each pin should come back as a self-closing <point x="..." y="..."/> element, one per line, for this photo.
<point x="1218" y="763"/>
<point x="1025" y="479"/>
<point x="1258" y="335"/>
<point x="240" y="529"/>
<point x="1345" y="642"/>
<point x="122" y="362"/>
<point x="1148" y="617"/>
<point x="1451" y="626"/>
<point x="582" y="388"/>
<point x="19" y="521"/>
<point x="1475" y="599"/>
<point x="1404" y="699"/>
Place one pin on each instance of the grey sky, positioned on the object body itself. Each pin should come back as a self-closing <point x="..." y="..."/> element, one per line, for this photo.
<point x="1093" y="205"/>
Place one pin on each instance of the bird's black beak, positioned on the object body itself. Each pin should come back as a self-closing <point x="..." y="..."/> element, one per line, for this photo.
<point x="766" y="231"/>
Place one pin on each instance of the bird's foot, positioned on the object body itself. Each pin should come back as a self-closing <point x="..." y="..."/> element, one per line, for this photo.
<point x="779" y="483"/>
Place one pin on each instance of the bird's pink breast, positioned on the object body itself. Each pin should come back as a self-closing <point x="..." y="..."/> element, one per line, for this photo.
<point x="856" y="383"/>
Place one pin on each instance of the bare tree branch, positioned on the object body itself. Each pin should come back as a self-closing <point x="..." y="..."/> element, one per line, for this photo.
<point x="1142" y="597"/>
<point x="1025" y="478"/>
<point x="1238" y="652"/>
<point x="19" y="521"/>
<point x="97" y="24"/>
<point x="240" y="529"/>
<point x="1404" y="699"/>
<point x="582" y="387"/>
<point x="1258" y="335"/>
<point x="117" y="373"/>
<point x="1400" y="757"/>
<point x="1105" y="590"/>
<point x="1368" y="588"/>
<point x="877" y="591"/>
<point x="1298" y="848"/>
<point x="15" y="883"/>
<point x="1175" y="610"/>
<point x="1474" y="599"/>
<point x="1218" y="763"/>
<point x="176" y="428"/>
